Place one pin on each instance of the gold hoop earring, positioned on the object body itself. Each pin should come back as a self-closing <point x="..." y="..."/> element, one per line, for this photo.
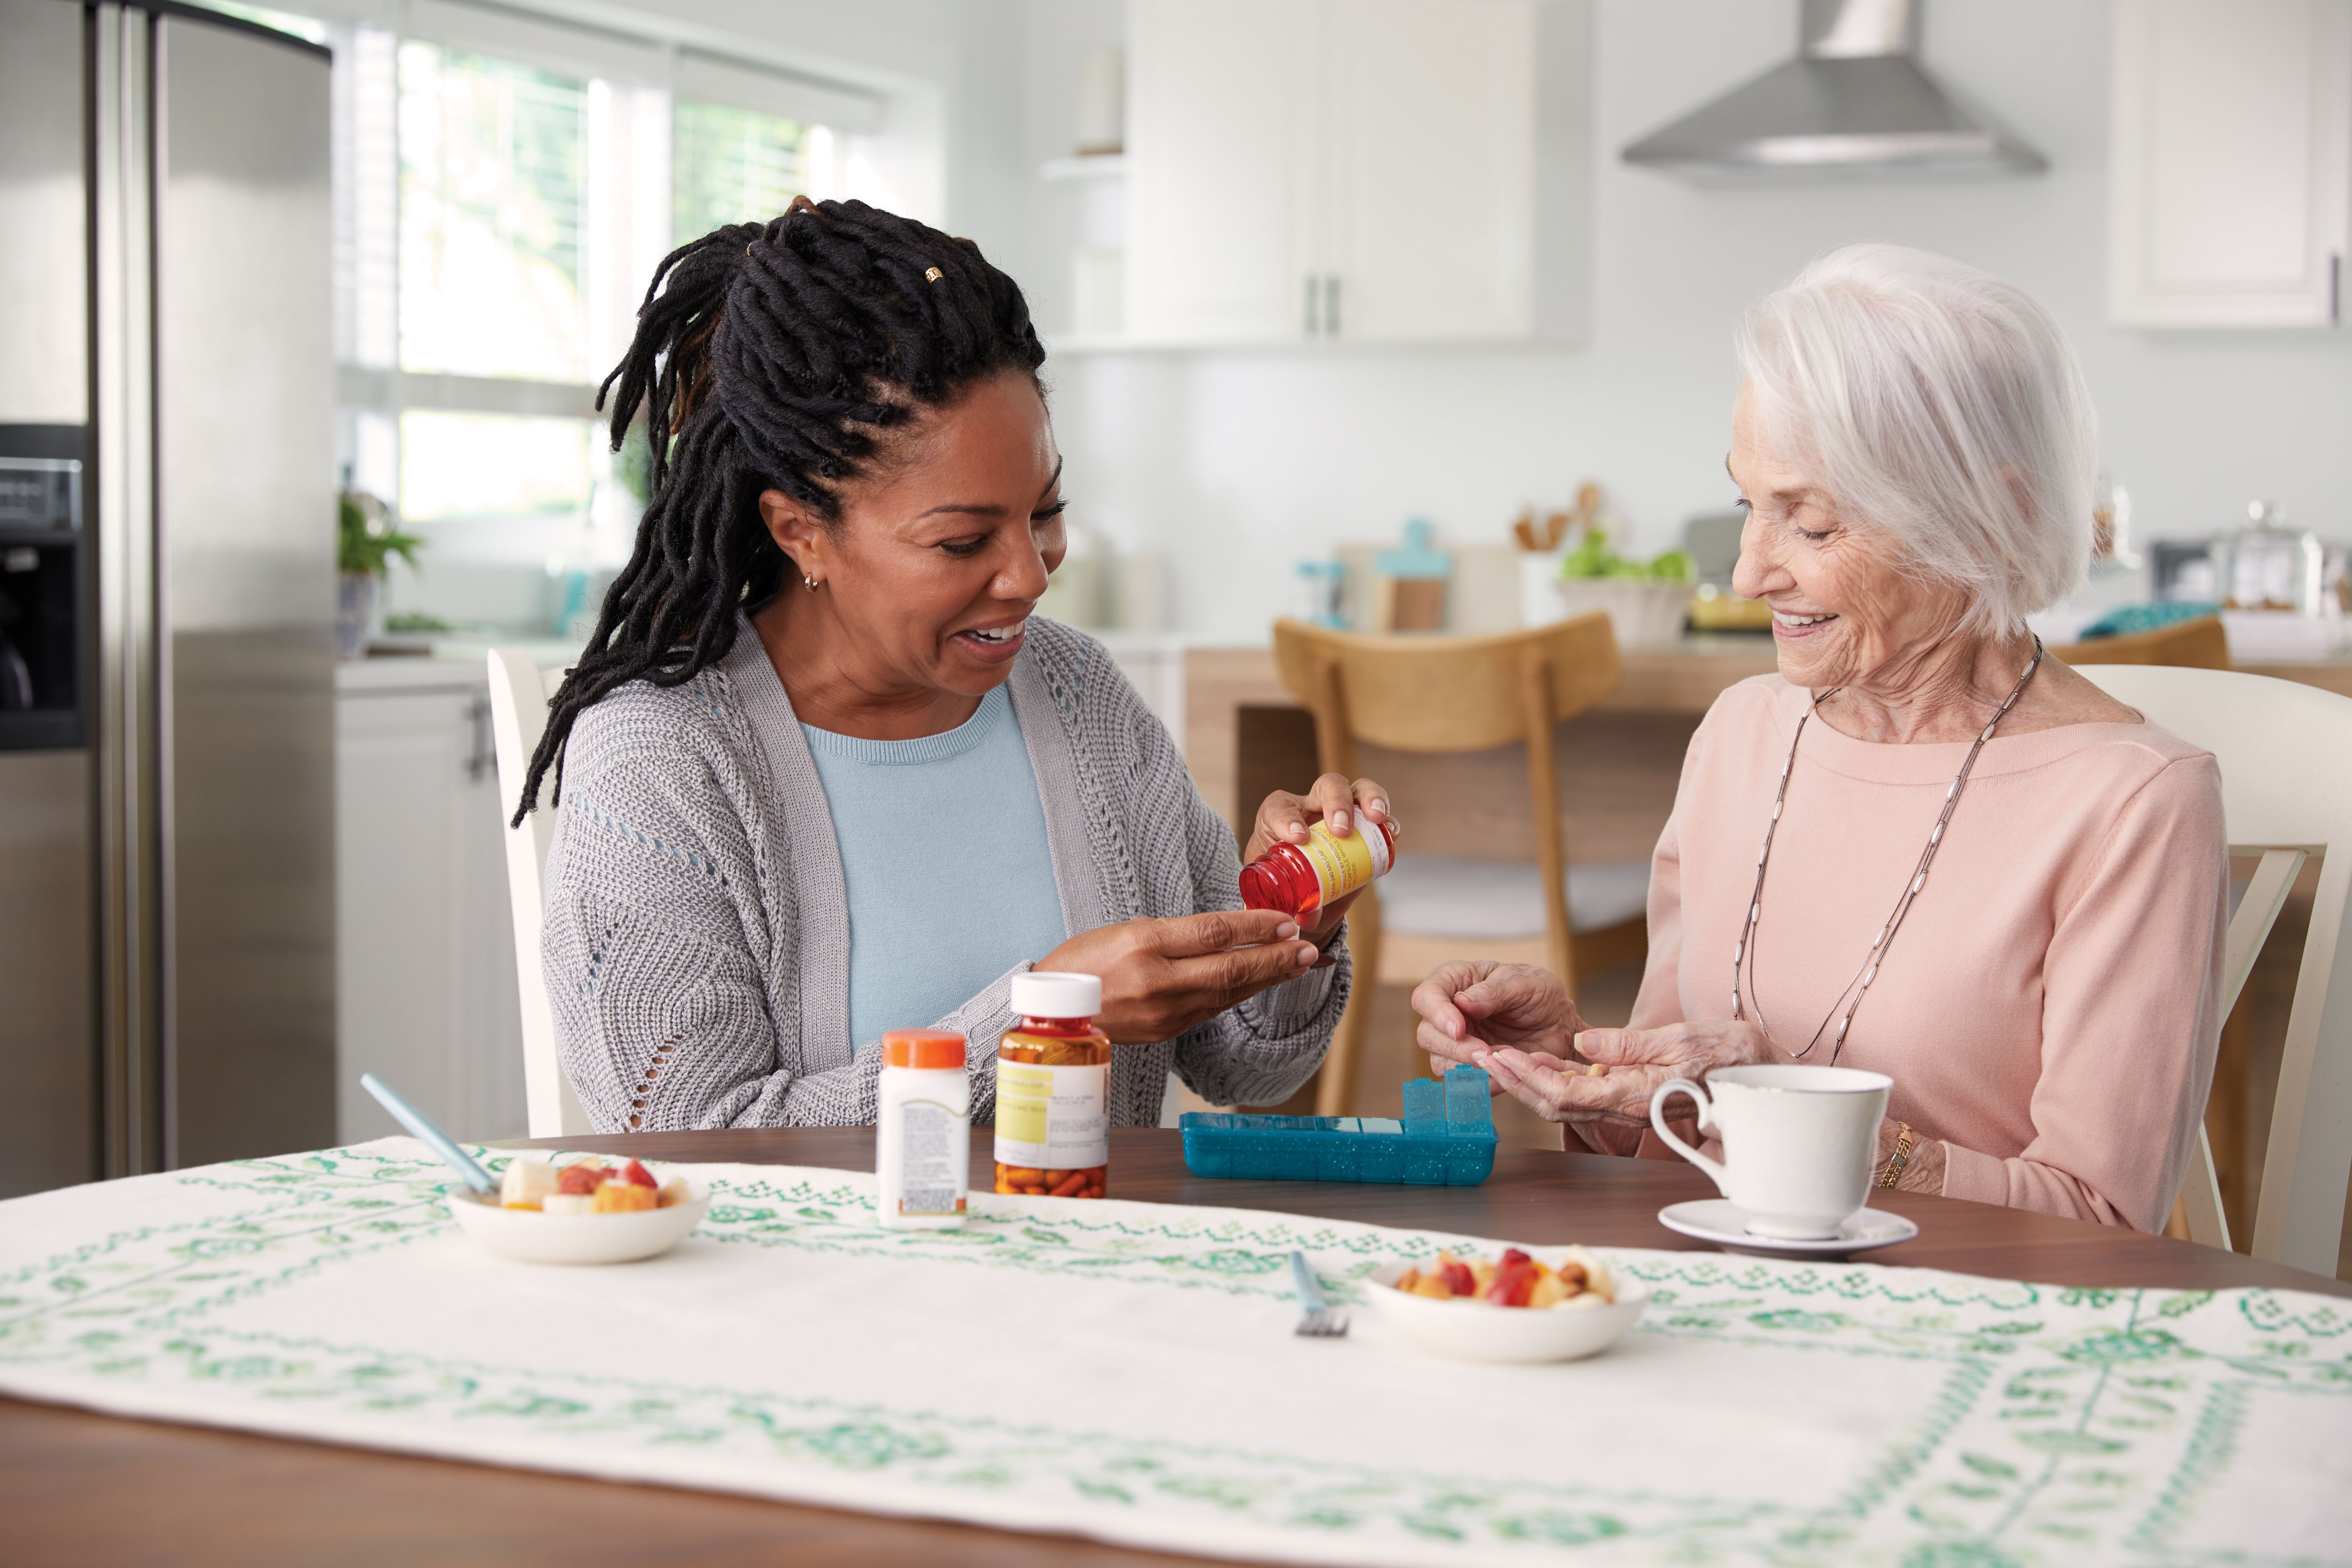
<point x="808" y="582"/>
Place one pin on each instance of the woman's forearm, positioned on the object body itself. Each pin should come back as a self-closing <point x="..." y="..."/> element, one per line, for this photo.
<point x="1259" y="1052"/>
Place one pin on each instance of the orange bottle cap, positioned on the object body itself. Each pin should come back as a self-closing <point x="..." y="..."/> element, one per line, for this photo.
<point x="922" y="1048"/>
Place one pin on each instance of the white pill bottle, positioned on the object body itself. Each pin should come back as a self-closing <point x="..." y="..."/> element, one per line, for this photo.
<point x="922" y="1131"/>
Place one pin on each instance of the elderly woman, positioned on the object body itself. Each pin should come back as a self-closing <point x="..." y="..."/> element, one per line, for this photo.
<point x="824" y="775"/>
<point x="1925" y="846"/>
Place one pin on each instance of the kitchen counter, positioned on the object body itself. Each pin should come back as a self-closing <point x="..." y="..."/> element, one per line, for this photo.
<point x="455" y="664"/>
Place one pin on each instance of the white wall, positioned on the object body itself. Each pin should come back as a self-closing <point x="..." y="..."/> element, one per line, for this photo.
<point x="1237" y="465"/>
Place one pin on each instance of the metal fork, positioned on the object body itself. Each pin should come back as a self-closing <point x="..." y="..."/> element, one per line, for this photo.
<point x="1320" y="1320"/>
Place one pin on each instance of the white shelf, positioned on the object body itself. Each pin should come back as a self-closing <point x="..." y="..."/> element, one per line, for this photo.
<point x="1093" y="166"/>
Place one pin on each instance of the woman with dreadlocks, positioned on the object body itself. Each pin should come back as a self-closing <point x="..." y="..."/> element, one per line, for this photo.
<point x="822" y="773"/>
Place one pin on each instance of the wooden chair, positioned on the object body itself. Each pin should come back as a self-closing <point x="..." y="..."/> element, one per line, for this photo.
<point x="519" y="693"/>
<point x="2198" y="644"/>
<point x="1449" y="694"/>
<point x="2285" y="751"/>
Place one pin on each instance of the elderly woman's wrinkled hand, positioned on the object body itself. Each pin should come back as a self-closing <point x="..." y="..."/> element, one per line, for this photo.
<point x="1610" y="1074"/>
<point x="1470" y="1009"/>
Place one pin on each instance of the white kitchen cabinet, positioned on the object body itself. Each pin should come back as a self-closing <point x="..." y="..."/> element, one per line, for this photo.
<point x="1430" y="159"/>
<point x="426" y="970"/>
<point x="1370" y="171"/>
<point x="1220" y="154"/>
<point x="2230" y="176"/>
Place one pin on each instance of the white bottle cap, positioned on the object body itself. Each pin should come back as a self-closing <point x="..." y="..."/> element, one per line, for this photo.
<point x="1042" y="994"/>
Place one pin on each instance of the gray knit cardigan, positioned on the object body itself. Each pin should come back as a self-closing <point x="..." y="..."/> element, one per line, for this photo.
<point x="697" y="941"/>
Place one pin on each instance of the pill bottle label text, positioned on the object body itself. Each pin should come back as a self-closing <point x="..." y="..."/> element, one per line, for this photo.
<point x="1053" y="1117"/>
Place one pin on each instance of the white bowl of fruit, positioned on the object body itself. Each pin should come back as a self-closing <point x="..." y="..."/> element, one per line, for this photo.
<point x="1518" y="1308"/>
<point x="582" y="1211"/>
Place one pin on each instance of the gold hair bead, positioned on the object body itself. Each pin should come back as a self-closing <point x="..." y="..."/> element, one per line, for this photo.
<point x="933" y="275"/>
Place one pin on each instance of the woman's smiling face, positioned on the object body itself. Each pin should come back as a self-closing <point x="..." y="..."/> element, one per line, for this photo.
<point x="938" y="556"/>
<point x="1844" y="609"/>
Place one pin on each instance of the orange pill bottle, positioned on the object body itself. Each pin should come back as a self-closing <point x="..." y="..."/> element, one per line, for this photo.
<point x="1052" y="1090"/>
<point x="1298" y="879"/>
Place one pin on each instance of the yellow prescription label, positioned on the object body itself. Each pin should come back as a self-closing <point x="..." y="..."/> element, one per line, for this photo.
<point x="1052" y="1118"/>
<point x="1343" y="865"/>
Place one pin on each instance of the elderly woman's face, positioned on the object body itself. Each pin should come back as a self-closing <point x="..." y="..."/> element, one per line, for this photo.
<point x="1843" y="612"/>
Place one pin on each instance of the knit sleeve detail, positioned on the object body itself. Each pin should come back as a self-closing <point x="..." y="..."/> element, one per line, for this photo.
<point x="1160" y="852"/>
<point x="663" y="961"/>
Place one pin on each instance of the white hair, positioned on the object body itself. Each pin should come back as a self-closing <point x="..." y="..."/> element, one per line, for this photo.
<point x="1943" y="409"/>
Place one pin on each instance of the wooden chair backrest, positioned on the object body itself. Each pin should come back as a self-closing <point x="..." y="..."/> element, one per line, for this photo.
<point x="2286" y="750"/>
<point x="2198" y="644"/>
<point x="1439" y="694"/>
<point x="1447" y="693"/>
<point x="519" y="693"/>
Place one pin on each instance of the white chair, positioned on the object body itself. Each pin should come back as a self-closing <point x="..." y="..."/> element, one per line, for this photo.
<point x="519" y="693"/>
<point x="2285" y="751"/>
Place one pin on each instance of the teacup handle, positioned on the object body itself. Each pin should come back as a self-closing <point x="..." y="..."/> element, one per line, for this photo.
<point x="1706" y="1124"/>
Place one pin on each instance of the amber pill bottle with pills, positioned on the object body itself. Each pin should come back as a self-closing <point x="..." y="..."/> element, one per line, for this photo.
<point x="1052" y="1090"/>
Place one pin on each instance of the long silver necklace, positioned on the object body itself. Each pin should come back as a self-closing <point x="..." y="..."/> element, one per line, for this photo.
<point x="1743" y="952"/>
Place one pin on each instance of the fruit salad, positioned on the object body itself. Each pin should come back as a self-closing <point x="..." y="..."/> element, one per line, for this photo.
<point x="587" y="1187"/>
<point x="1516" y="1280"/>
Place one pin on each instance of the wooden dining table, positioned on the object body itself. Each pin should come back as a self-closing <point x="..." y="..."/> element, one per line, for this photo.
<point x="79" y="1488"/>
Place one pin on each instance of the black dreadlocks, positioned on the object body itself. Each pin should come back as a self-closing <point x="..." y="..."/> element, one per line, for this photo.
<point x="772" y="360"/>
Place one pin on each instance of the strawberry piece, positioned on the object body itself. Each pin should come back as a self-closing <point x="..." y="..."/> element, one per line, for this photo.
<point x="635" y="1174"/>
<point x="1513" y="1255"/>
<point x="582" y="1179"/>
<point x="1457" y="1278"/>
<point x="1513" y="1284"/>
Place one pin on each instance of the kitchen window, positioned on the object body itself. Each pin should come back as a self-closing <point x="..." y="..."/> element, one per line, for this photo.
<point x="737" y="165"/>
<point x="504" y="187"/>
<point x="493" y="218"/>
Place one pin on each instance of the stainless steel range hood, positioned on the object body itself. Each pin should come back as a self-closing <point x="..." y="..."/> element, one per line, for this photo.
<point x="1854" y="104"/>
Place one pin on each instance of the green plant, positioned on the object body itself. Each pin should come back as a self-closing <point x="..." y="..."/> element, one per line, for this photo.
<point x="366" y="541"/>
<point x="415" y="621"/>
<point x="1672" y="566"/>
<point x="1593" y="558"/>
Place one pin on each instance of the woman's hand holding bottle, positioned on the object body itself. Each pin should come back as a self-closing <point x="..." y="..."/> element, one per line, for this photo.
<point x="1161" y="977"/>
<point x="1344" y="808"/>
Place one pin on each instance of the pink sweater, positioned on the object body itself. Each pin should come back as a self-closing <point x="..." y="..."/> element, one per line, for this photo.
<point x="2051" y="1008"/>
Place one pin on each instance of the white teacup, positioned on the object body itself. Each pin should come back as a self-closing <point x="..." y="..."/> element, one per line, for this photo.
<point x="1799" y="1143"/>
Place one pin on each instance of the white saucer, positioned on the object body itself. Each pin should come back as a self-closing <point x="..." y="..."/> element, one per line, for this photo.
<point x="1721" y="1223"/>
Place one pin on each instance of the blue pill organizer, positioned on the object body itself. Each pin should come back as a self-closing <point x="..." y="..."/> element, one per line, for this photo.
<point x="1445" y="1138"/>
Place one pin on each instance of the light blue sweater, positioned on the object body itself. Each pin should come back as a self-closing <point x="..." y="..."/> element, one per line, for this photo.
<point x="950" y="873"/>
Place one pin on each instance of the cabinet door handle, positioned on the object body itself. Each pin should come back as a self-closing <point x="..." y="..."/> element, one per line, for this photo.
<point x="1308" y="324"/>
<point x="2335" y="288"/>
<point x="483" y="758"/>
<point x="1330" y="304"/>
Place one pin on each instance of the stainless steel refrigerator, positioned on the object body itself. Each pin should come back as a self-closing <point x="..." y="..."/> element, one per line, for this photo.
<point x="167" y="557"/>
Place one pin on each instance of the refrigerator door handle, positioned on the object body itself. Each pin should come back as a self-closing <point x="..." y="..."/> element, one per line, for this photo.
<point x="483" y="756"/>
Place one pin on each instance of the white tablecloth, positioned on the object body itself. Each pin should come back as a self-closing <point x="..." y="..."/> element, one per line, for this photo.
<point x="1128" y="1370"/>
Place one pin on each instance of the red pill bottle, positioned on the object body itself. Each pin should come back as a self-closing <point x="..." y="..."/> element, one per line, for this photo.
<point x="1298" y="879"/>
<point x="1052" y="1090"/>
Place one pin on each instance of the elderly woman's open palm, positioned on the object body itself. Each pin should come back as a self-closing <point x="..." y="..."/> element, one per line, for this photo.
<point x="1518" y="1022"/>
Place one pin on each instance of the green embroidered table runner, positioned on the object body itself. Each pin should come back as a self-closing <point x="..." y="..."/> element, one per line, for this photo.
<point x="1128" y="1370"/>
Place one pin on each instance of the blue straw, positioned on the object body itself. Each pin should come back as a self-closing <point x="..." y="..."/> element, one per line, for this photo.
<point x="416" y="1122"/>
